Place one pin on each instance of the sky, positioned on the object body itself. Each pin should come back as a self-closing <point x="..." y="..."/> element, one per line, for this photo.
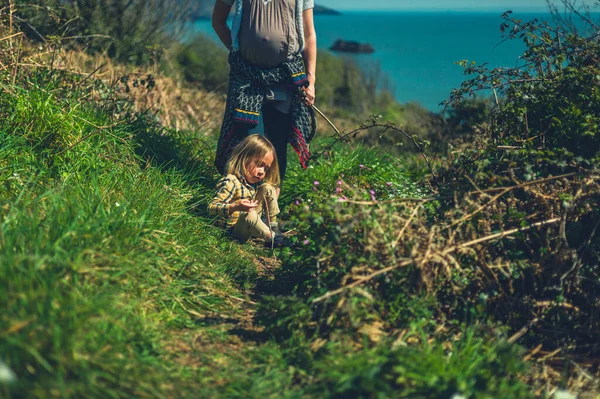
<point x="442" y="5"/>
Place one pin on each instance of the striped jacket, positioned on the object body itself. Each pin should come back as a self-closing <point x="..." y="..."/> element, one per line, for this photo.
<point x="244" y="103"/>
<point x="230" y="189"/>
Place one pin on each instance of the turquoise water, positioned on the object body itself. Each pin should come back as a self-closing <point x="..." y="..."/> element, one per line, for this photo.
<point x="419" y="51"/>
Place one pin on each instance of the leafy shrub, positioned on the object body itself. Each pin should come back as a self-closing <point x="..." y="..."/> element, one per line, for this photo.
<point x="98" y="250"/>
<point x="511" y="238"/>
<point x="471" y="367"/>
<point x="128" y="31"/>
<point x="544" y="127"/>
<point x="551" y="100"/>
<point x="203" y="62"/>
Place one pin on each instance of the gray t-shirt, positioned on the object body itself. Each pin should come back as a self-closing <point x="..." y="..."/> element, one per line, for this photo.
<point x="269" y="34"/>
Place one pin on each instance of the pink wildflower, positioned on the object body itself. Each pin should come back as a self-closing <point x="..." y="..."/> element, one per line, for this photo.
<point x="306" y="242"/>
<point x="361" y="166"/>
<point x="389" y="184"/>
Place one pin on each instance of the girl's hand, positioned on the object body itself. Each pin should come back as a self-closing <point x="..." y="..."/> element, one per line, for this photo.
<point x="243" y="205"/>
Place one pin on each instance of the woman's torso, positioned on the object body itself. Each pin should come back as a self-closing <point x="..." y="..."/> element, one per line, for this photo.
<point x="268" y="35"/>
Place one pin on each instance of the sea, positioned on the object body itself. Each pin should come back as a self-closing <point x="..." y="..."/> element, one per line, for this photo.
<point x="418" y="52"/>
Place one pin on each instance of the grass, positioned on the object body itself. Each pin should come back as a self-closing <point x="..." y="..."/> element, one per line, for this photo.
<point x="99" y="255"/>
<point x="117" y="285"/>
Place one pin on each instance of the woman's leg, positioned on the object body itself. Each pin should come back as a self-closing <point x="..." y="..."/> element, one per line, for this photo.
<point x="277" y="129"/>
<point x="242" y="130"/>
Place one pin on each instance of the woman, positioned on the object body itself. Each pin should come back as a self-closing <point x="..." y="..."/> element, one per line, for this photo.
<point x="273" y="56"/>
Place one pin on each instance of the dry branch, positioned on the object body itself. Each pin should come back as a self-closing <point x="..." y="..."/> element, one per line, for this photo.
<point x="426" y="257"/>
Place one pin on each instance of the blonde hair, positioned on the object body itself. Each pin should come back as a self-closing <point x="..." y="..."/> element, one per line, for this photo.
<point x="252" y="150"/>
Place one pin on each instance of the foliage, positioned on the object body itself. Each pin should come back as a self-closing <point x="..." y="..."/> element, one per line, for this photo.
<point x="370" y="340"/>
<point x="349" y="88"/>
<point x="511" y="238"/>
<point x="471" y="367"/>
<point x="128" y="31"/>
<point x="118" y="286"/>
<point x="89" y="231"/>
<point x="203" y="62"/>
<point x="544" y="128"/>
<point x="552" y="99"/>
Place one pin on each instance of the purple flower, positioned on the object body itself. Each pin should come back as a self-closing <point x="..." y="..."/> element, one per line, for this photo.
<point x="306" y="242"/>
<point x="389" y="184"/>
<point x="339" y="182"/>
<point x="343" y="198"/>
<point x="338" y="190"/>
<point x="361" y="166"/>
<point x="372" y="195"/>
<point x="316" y="183"/>
<point x="297" y="202"/>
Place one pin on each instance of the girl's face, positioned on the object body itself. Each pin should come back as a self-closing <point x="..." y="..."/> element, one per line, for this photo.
<point x="257" y="170"/>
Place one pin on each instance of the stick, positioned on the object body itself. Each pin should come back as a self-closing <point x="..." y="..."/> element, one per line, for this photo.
<point x="11" y="36"/>
<point x="326" y="118"/>
<point x="361" y="280"/>
<point x="522" y="331"/>
<point x="412" y="216"/>
<point x="500" y="235"/>
<point x="407" y="262"/>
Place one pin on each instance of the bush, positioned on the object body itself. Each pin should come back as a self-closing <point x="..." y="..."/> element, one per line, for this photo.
<point x="203" y="62"/>
<point x="541" y="143"/>
<point x="128" y="31"/>
<point x="471" y="367"/>
<point x="98" y="249"/>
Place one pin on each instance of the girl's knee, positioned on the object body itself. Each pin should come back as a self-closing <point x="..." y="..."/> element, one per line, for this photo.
<point x="251" y="218"/>
<point x="266" y="189"/>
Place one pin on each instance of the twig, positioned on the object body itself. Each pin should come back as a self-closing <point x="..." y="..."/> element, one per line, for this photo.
<point x="11" y="36"/>
<point x="393" y="201"/>
<point x="361" y="280"/>
<point x="504" y="191"/>
<point x="98" y="129"/>
<point x="501" y="235"/>
<point x="410" y="219"/>
<point x="10" y="21"/>
<point x="551" y="354"/>
<point x="89" y="75"/>
<point x="516" y="336"/>
<point x="533" y="182"/>
<point x="496" y="97"/>
<point x="489" y="190"/>
<point x="406" y="262"/>
<point x="582" y="371"/>
<point x="482" y="207"/>
<point x="326" y="118"/>
<point x="372" y="123"/>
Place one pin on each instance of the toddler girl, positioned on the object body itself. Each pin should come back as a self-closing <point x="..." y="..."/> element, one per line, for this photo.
<point x="247" y="192"/>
